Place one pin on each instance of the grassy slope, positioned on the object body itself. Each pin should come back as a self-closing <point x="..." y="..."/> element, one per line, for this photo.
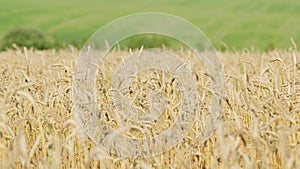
<point x="237" y="23"/>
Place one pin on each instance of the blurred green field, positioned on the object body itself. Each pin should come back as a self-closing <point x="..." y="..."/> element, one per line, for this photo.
<point x="238" y="24"/>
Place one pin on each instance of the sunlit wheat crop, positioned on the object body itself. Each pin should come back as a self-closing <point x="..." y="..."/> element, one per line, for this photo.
<point x="259" y="127"/>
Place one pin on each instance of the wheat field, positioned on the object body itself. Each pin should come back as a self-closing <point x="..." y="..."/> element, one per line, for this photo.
<point x="259" y="127"/>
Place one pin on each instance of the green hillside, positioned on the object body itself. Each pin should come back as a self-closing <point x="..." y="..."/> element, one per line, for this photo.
<point x="237" y="23"/>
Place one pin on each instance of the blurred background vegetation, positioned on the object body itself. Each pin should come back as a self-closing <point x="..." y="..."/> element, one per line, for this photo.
<point x="231" y="25"/>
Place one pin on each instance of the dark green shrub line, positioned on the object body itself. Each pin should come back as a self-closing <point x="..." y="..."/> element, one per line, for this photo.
<point x="28" y="37"/>
<point x="38" y="39"/>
